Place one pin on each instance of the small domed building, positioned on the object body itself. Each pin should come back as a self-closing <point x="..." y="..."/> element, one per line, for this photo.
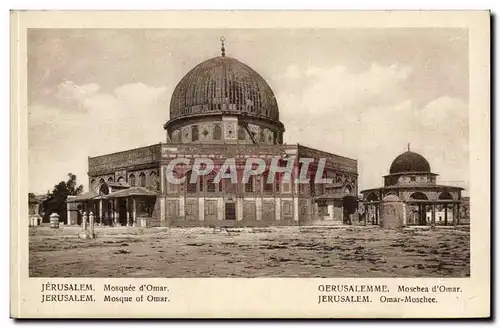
<point x="220" y="109"/>
<point x="411" y="180"/>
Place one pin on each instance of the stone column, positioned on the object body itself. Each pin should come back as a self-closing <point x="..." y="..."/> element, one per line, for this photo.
<point x="365" y="214"/>
<point x="258" y="208"/>
<point x="127" y="202"/>
<point x="163" y="210"/>
<point x="455" y="214"/>
<point x="201" y="208"/>
<point x="445" y="214"/>
<point x="68" y="213"/>
<point x="182" y="207"/>
<point x="433" y="219"/>
<point x="376" y="214"/>
<point x="220" y="208"/>
<point x="278" y="208"/>
<point x="108" y="212"/>
<point x="91" y="224"/>
<point x="296" y="208"/>
<point x="133" y="212"/>
<point x="458" y="213"/>
<point x="162" y="180"/>
<point x="94" y="208"/>
<point x="405" y="214"/>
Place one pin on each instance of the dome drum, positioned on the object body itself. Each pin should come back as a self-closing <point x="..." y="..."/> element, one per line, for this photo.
<point x="243" y="119"/>
<point x="218" y="89"/>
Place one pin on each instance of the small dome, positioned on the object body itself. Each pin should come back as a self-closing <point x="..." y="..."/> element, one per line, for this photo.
<point x="409" y="162"/>
<point x="391" y="198"/>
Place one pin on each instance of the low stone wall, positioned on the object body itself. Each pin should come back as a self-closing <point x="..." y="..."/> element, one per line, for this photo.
<point x="182" y="223"/>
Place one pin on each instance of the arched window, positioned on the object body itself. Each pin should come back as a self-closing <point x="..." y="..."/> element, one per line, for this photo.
<point x="277" y="181"/>
<point x="200" y="180"/>
<point x="241" y="133"/>
<point x="267" y="187"/>
<point x="92" y="183"/>
<point x="262" y="136"/>
<point x="172" y="186"/>
<point x="101" y="181"/>
<point x="131" y="180"/>
<point x="372" y="197"/>
<point x="217" y="132"/>
<point x="120" y="180"/>
<point x="445" y="195"/>
<point x="221" y="185"/>
<point x="110" y="179"/>
<point x="194" y="132"/>
<point x="142" y="179"/>
<point x="249" y="185"/>
<point x="347" y="189"/>
<point x="104" y="189"/>
<point x="176" y="136"/>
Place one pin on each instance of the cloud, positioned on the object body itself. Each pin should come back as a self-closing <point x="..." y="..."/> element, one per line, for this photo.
<point x="61" y="138"/>
<point x="369" y="115"/>
<point x="337" y="88"/>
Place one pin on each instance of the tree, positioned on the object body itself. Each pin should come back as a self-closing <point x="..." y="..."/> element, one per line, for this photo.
<point x="57" y="198"/>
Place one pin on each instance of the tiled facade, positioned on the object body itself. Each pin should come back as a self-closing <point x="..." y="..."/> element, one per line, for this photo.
<point x="221" y="109"/>
<point x="411" y="181"/>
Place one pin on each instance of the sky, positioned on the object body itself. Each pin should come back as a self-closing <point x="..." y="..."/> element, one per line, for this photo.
<point x="360" y="93"/>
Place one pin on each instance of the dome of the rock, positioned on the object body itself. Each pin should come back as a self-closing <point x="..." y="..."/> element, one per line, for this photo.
<point x="223" y="84"/>
<point x="224" y="87"/>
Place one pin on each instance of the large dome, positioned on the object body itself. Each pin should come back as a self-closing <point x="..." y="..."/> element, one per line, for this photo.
<point x="409" y="162"/>
<point x="223" y="85"/>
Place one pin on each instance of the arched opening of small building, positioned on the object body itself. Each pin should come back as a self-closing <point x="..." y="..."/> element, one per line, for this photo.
<point x="230" y="210"/>
<point x="103" y="189"/>
<point x="444" y="212"/>
<point x="350" y="204"/>
<point x="122" y="211"/>
<point x="445" y="196"/>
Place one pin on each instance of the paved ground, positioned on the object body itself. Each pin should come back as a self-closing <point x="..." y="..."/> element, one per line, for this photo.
<point x="258" y="252"/>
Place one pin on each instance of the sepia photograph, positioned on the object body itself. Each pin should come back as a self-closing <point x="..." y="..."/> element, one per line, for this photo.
<point x="374" y="122"/>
